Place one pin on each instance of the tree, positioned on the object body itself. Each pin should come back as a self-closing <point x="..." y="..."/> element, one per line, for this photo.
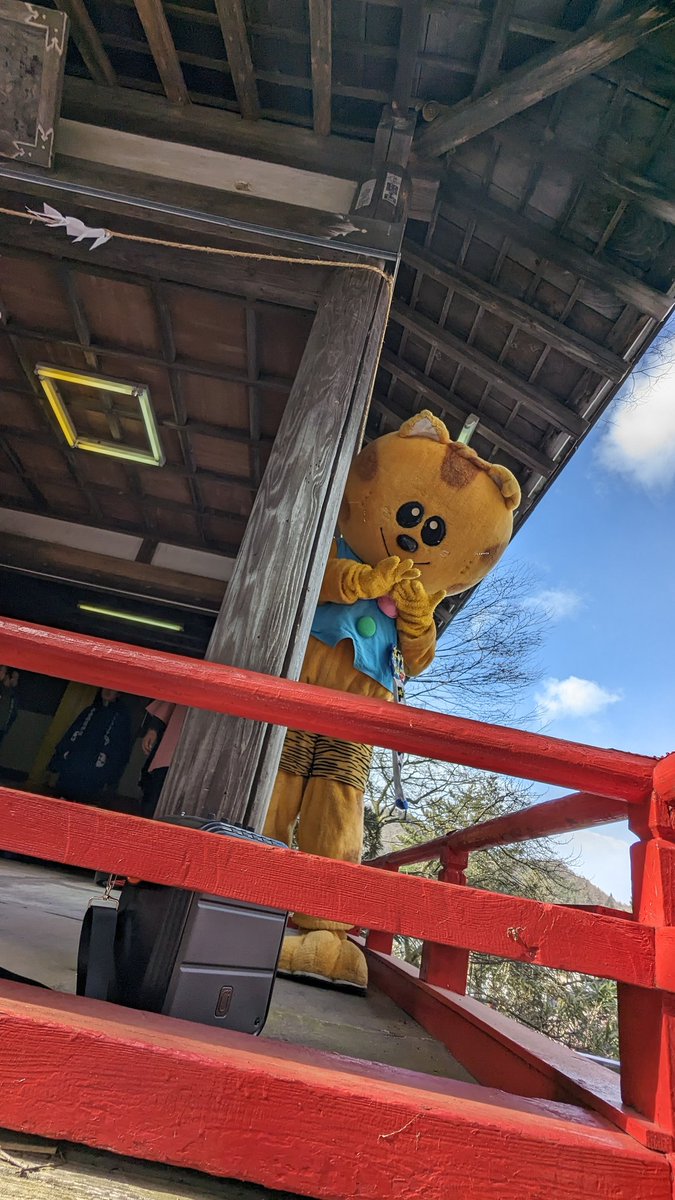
<point x="574" y="1009"/>
<point x="487" y="657"/>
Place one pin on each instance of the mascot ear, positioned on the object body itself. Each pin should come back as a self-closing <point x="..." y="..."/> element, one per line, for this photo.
<point x="425" y="425"/>
<point x="507" y="484"/>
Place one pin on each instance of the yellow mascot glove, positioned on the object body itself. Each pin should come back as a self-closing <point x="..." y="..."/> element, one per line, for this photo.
<point x="415" y="606"/>
<point x="345" y="581"/>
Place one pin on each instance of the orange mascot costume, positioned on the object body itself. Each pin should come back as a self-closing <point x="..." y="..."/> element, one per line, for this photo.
<point x="422" y="517"/>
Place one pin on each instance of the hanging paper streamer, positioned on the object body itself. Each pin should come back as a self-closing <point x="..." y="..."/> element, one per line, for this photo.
<point x="75" y="229"/>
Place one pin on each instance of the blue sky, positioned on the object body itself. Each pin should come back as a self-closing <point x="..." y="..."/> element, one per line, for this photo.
<point x="601" y="545"/>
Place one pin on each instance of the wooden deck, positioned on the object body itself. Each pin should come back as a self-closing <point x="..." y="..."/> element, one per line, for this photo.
<point x="40" y="912"/>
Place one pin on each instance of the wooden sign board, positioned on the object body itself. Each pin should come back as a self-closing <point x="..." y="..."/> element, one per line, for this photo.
<point x="32" y="60"/>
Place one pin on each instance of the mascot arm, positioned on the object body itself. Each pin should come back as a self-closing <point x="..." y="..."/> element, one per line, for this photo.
<point x="418" y="652"/>
<point x="345" y="581"/>
<point x="415" y="624"/>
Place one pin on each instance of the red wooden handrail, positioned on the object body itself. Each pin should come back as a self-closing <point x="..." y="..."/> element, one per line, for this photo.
<point x="511" y="927"/>
<point x="577" y="811"/>
<point x="611" y="773"/>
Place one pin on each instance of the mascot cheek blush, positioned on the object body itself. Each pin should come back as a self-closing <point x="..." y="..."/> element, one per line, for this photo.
<point x="422" y="517"/>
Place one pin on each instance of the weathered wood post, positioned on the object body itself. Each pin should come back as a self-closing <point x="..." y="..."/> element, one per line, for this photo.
<point x="225" y="765"/>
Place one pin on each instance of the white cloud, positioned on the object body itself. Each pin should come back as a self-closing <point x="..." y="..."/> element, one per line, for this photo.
<point x="556" y="603"/>
<point x="639" y="442"/>
<point x="572" y="697"/>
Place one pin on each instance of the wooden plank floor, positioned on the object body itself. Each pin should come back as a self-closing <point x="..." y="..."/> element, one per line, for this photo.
<point x="40" y="913"/>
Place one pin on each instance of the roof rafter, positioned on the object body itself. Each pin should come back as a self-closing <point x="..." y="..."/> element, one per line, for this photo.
<point x="450" y="405"/>
<point x="503" y="378"/>
<point x="546" y="244"/>
<point x="586" y="51"/>
<point x="232" y="19"/>
<point x="494" y="44"/>
<point x="163" y="50"/>
<point x="88" y="42"/>
<point x="408" y="49"/>
<point x="515" y="311"/>
<point x="320" y="27"/>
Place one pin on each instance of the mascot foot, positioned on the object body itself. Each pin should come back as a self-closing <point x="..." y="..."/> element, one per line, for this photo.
<point x="324" y="957"/>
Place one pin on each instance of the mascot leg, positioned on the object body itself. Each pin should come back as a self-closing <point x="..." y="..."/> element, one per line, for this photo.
<point x="331" y="825"/>
<point x="284" y="807"/>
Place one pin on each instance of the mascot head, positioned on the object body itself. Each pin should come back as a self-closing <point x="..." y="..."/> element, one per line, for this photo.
<point x="418" y="494"/>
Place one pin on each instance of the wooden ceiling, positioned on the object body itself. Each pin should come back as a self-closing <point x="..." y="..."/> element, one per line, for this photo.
<point x="218" y="367"/>
<point x="525" y="295"/>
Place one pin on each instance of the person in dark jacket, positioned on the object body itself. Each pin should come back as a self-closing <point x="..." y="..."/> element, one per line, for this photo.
<point x="91" y="756"/>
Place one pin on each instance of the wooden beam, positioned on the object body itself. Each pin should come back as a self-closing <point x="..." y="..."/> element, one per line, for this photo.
<point x="320" y="27"/>
<point x="510" y="927"/>
<point x="232" y="18"/>
<point x="504" y="379"/>
<point x="450" y="406"/>
<point x="56" y="1050"/>
<point x="163" y="50"/>
<point x="214" y="129"/>
<point x="243" y="693"/>
<point x="86" y="38"/>
<point x="502" y="1053"/>
<point x="548" y="245"/>
<point x="561" y="337"/>
<point x="121" y="576"/>
<point x="298" y="287"/>
<point x="493" y="45"/>
<point x="412" y="13"/>
<point x="584" y="52"/>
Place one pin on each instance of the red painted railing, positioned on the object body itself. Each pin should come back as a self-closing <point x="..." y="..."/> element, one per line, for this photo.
<point x="577" y="811"/>
<point x="449" y="917"/>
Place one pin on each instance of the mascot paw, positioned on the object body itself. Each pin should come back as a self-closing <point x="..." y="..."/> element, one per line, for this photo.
<point x="324" y="957"/>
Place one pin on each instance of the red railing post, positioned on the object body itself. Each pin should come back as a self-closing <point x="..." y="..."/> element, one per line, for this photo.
<point x="378" y="939"/>
<point x="447" y="966"/>
<point x="647" y="1016"/>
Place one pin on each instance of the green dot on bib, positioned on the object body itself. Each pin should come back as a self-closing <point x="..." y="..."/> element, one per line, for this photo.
<point x="366" y="626"/>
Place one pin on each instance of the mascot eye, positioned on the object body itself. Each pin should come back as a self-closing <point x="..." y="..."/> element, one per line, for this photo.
<point x="433" y="531"/>
<point x="410" y="514"/>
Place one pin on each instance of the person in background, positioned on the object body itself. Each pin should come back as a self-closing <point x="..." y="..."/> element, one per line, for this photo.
<point x="9" y="682"/>
<point x="91" y="756"/>
<point x="164" y="726"/>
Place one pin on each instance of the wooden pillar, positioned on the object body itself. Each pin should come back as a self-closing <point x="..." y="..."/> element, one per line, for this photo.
<point x="380" y="939"/>
<point x="447" y="966"/>
<point x="647" y="1016"/>
<point x="225" y="766"/>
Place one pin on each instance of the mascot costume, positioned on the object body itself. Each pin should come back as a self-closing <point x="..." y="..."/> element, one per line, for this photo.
<point x="422" y="517"/>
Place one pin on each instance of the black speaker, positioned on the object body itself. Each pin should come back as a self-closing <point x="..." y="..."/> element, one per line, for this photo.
<point x="226" y="955"/>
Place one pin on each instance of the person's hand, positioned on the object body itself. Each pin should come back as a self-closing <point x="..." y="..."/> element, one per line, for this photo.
<point x="149" y="741"/>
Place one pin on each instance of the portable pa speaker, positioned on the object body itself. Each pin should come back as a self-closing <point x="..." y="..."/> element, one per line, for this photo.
<point x="224" y="965"/>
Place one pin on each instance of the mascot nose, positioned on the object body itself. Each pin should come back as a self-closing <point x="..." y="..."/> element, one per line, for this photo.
<point x="407" y="543"/>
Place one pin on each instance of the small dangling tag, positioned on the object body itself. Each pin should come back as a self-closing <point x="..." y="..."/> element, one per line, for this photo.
<point x="398" y="673"/>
